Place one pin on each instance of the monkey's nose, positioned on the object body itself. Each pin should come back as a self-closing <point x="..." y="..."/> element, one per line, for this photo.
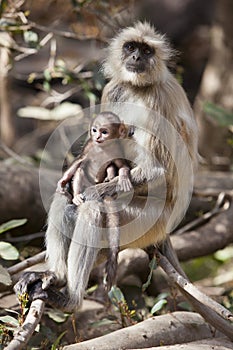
<point x="136" y="57"/>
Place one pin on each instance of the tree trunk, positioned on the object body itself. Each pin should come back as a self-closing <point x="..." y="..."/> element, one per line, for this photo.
<point x="20" y="194"/>
<point x="7" y="128"/>
<point x="217" y="87"/>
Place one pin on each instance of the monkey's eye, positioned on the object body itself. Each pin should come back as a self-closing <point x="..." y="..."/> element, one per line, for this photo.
<point x="147" y="50"/>
<point x="105" y="132"/>
<point x="94" y="129"/>
<point x="129" y="47"/>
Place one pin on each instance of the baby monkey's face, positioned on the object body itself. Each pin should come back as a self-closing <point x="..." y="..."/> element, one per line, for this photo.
<point x="106" y="127"/>
<point x="102" y="133"/>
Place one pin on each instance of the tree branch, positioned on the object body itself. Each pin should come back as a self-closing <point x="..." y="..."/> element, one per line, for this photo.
<point x="36" y="259"/>
<point x="23" y="333"/>
<point x="170" y="264"/>
<point x="207" y="239"/>
<point x="177" y="327"/>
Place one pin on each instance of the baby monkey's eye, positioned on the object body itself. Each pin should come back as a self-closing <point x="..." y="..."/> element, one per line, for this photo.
<point x="105" y="132"/>
<point x="94" y="130"/>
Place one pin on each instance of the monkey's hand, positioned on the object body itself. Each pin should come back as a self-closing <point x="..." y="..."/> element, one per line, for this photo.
<point x="35" y="284"/>
<point x="124" y="183"/>
<point x="63" y="190"/>
<point x="138" y="177"/>
<point x="61" y="186"/>
<point x="78" y="199"/>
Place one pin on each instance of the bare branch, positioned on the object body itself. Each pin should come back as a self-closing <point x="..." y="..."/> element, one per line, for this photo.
<point x="14" y="155"/>
<point x="36" y="259"/>
<point x="183" y="283"/>
<point x="23" y="333"/>
<point x="222" y="204"/>
<point x="214" y="235"/>
<point x="206" y="307"/>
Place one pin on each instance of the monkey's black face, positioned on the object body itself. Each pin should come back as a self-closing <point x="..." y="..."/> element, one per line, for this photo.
<point x="136" y="56"/>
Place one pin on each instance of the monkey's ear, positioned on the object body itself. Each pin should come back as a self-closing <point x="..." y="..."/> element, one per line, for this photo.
<point x="122" y="130"/>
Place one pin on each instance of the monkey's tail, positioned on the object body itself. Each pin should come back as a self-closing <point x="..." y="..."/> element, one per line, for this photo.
<point x="84" y="247"/>
<point x="113" y="236"/>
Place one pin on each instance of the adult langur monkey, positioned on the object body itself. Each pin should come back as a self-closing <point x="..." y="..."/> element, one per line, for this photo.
<point x="143" y="92"/>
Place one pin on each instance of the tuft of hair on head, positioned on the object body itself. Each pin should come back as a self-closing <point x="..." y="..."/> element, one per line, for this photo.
<point x="111" y="117"/>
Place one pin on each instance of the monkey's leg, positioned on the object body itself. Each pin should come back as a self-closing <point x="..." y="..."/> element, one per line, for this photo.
<point x="59" y="231"/>
<point x="84" y="247"/>
<point x="113" y="235"/>
<point x="30" y="279"/>
<point x="61" y="221"/>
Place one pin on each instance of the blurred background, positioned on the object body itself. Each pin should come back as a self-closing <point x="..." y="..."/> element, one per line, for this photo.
<point x="51" y="52"/>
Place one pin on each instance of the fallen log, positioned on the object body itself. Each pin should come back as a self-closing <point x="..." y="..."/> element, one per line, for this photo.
<point x="204" y="344"/>
<point x="177" y="327"/>
<point x="20" y="194"/>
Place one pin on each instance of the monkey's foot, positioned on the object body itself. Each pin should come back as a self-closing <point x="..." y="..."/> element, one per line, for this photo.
<point x="35" y="284"/>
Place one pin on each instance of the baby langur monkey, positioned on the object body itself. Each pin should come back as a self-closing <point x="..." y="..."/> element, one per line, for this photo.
<point x="101" y="160"/>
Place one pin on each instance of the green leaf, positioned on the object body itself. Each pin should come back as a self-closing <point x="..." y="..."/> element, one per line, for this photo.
<point x="9" y="225"/>
<point x="46" y="86"/>
<point x="158" y="306"/>
<point x="8" y="251"/>
<point x="5" y="276"/>
<point x="219" y="114"/>
<point x="224" y="254"/>
<point x="103" y="322"/>
<point x="91" y="96"/>
<point x="47" y="74"/>
<point x="57" y="316"/>
<point x="163" y="295"/>
<point x="10" y="320"/>
<point x="57" y="341"/>
<point x="3" y="5"/>
<point x="31" y="38"/>
<point x="116" y="296"/>
<point x="185" y="305"/>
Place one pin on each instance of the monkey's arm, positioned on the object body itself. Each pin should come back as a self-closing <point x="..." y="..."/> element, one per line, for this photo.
<point x="69" y="173"/>
<point x="138" y="178"/>
<point x="78" y="182"/>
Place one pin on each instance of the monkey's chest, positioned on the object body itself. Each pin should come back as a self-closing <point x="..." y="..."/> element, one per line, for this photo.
<point x="96" y="170"/>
